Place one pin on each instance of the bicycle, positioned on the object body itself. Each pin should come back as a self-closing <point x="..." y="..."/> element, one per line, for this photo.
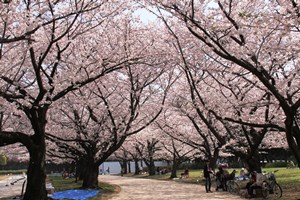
<point x="233" y="187"/>
<point x="270" y="186"/>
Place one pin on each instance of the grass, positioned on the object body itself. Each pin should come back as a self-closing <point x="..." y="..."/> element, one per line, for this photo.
<point x="61" y="184"/>
<point x="288" y="179"/>
<point x="6" y="172"/>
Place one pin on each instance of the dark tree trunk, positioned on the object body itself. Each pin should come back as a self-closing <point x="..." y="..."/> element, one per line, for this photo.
<point x="253" y="162"/>
<point x="36" y="172"/>
<point x="90" y="177"/>
<point x="36" y="175"/>
<point x="293" y="137"/>
<point x="213" y="158"/>
<point x="151" y="167"/>
<point x="174" y="169"/>
<point x="136" y="166"/>
<point x="176" y="162"/>
<point x="129" y="167"/>
<point x="123" y="165"/>
<point x="81" y="168"/>
<point x="142" y="164"/>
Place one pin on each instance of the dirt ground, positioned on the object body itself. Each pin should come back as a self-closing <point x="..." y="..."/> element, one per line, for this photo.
<point x="149" y="189"/>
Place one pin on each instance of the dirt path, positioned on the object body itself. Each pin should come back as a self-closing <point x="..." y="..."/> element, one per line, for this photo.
<point x="148" y="189"/>
<point x="11" y="186"/>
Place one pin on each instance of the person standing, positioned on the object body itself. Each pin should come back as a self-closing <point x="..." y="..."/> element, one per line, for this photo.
<point x="207" y="173"/>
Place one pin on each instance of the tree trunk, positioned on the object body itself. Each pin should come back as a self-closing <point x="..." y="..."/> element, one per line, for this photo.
<point x="129" y="167"/>
<point x="36" y="172"/>
<point x="123" y="164"/>
<point x="79" y="172"/>
<point x="293" y="138"/>
<point x="151" y="167"/>
<point x="90" y="177"/>
<point x="253" y="162"/>
<point x="137" y="168"/>
<point x="213" y="158"/>
<point x="36" y="175"/>
<point x="174" y="170"/>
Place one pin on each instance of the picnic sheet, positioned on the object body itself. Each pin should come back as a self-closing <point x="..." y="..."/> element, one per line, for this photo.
<point x="75" y="194"/>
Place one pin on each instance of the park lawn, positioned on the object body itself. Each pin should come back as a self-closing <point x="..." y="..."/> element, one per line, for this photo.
<point x="288" y="179"/>
<point x="61" y="184"/>
<point x="6" y="172"/>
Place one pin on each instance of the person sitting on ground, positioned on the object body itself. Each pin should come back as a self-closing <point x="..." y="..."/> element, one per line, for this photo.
<point x="231" y="175"/>
<point x="290" y="164"/>
<point x="242" y="173"/>
<point x="185" y="174"/>
<point x="158" y="170"/>
<point x="65" y="175"/>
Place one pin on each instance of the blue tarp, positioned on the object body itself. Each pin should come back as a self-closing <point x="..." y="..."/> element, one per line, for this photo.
<point x="75" y="194"/>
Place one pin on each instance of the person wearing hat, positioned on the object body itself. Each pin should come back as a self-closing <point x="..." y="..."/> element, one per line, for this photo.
<point x="242" y="173"/>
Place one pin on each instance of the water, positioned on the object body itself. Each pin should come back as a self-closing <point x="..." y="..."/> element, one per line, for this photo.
<point x="115" y="167"/>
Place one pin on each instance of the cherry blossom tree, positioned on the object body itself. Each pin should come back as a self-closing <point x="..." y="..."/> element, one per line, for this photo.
<point x="134" y="155"/>
<point x="123" y="156"/>
<point x="8" y="119"/>
<point x="211" y="85"/>
<point x="191" y="101"/>
<point x="260" y="37"/>
<point x="49" y="49"/>
<point x="176" y="150"/>
<point x="126" y="154"/>
<point x="244" y="102"/>
<point x="96" y="121"/>
<point x="147" y="151"/>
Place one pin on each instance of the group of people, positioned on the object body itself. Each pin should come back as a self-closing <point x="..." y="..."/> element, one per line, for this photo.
<point x="66" y="174"/>
<point x="161" y="171"/>
<point x="222" y="176"/>
<point x="107" y="171"/>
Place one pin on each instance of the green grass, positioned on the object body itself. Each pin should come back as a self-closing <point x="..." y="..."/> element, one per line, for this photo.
<point x="288" y="179"/>
<point x="64" y="184"/>
<point x="61" y="184"/>
<point x="6" y="172"/>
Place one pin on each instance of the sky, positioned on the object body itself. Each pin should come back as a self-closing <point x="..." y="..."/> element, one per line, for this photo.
<point x="145" y="15"/>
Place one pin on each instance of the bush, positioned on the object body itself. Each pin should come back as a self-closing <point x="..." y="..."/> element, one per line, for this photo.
<point x="3" y="160"/>
<point x="276" y="164"/>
